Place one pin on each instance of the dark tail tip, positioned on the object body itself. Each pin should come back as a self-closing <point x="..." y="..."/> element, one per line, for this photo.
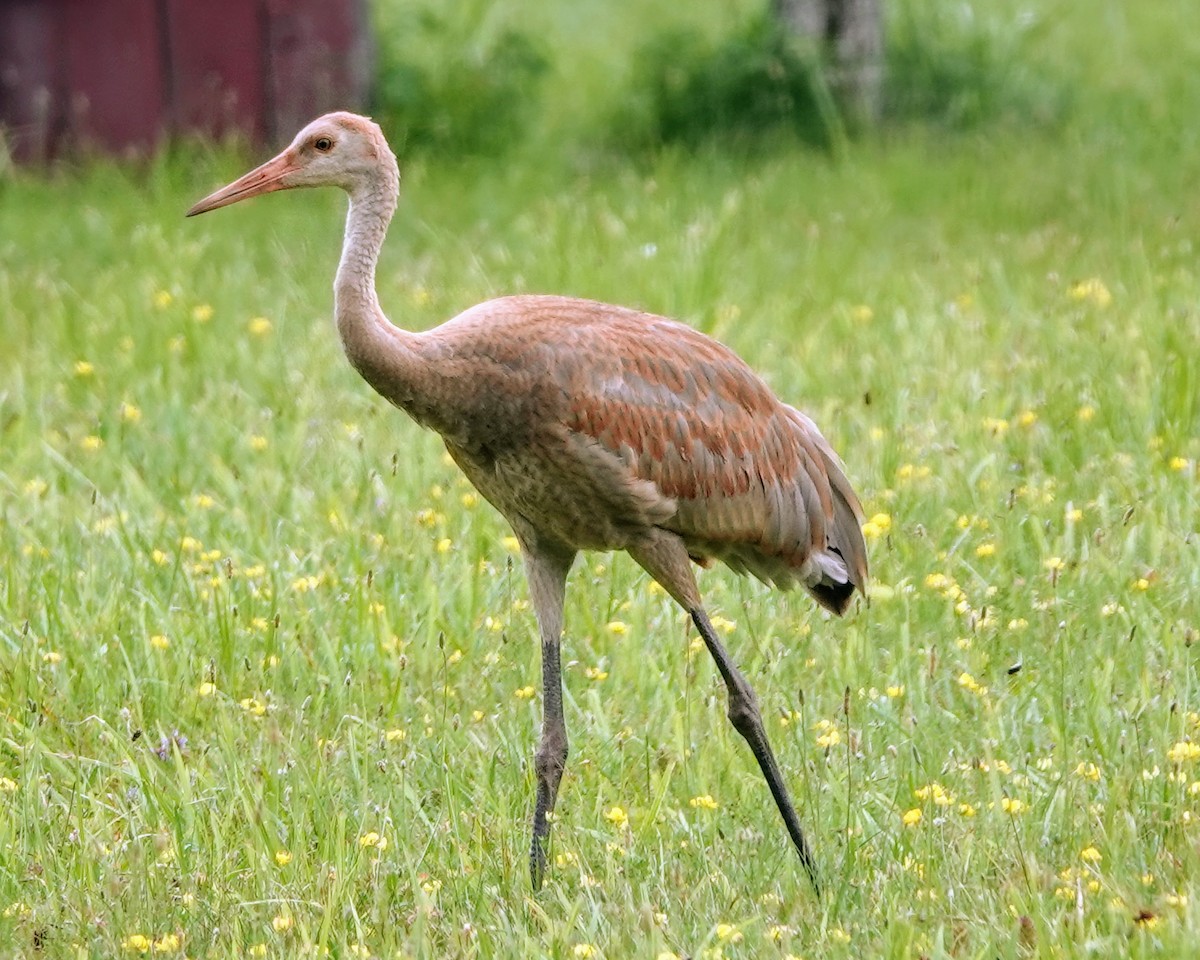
<point x="834" y="597"/>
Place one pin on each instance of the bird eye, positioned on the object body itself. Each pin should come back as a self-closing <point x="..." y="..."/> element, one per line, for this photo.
<point x="324" y="144"/>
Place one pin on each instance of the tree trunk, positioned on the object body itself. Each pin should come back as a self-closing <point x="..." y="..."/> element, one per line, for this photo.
<point x="850" y="32"/>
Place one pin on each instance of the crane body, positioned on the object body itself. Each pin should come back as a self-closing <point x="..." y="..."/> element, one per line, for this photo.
<point x="592" y="427"/>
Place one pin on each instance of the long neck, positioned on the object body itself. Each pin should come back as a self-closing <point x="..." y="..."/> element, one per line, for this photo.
<point x="383" y="353"/>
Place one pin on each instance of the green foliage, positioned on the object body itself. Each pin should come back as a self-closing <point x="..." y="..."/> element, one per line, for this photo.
<point x="964" y="64"/>
<point x="450" y="80"/>
<point x="688" y="88"/>
<point x="478" y="78"/>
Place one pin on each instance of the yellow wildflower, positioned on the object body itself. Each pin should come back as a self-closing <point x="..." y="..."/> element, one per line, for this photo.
<point x="281" y="923"/>
<point x="829" y="735"/>
<point x="136" y="943"/>
<point x="396" y="735"/>
<point x="617" y="628"/>
<point x="163" y="299"/>
<point x="935" y="792"/>
<point x="159" y="642"/>
<point x="206" y="689"/>
<point x="727" y="931"/>
<point x="1184" y="751"/>
<point x="373" y="839"/>
<point x="202" y="313"/>
<point x="253" y="706"/>
<point x="524" y="693"/>
<point x="91" y="443"/>
<point x="84" y="368"/>
<point x="1090" y="855"/>
<point x="895" y="691"/>
<point x="616" y="816"/>
<point x="583" y="951"/>
<point x="912" y="817"/>
<point x="129" y="413"/>
<point x="1091" y="290"/>
<point x="1179" y="463"/>
<point x="7" y="785"/>
<point x="968" y="682"/>
<point x="985" y="550"/>
<point x="1012" y="806"/>
<point x="260" y="326"/>
<point x="283" y="857"/>
<point x="703" y="802"/>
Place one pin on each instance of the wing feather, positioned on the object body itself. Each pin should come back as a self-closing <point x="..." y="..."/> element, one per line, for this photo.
<point x="754" y="482"/>
<point x="634" y="419"/>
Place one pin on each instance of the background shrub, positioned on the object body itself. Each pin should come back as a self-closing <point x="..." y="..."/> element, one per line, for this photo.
<point x="453" y="78"/>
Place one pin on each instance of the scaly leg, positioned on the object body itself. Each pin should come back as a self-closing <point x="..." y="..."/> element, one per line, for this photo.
<point x="547" y="573"/>
<point x="747" y="720"/>
<point x="665" y="558"/>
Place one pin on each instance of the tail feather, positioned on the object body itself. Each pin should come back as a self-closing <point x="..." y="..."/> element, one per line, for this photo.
<point x="844" y="538"/>
<point x="834" y="597"/>
<point x="845" y="534"/>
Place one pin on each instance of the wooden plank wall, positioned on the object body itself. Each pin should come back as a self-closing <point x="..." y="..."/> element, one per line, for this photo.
<point x="120" y="75"/>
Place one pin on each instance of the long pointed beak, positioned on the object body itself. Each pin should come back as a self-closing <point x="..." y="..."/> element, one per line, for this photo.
<point x="265" y="179"/>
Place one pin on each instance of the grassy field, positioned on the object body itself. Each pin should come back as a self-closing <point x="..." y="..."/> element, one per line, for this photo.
<point x="267" y="668"/>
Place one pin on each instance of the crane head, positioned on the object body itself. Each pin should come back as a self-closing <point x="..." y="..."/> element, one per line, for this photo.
<point x="339" y="149"/>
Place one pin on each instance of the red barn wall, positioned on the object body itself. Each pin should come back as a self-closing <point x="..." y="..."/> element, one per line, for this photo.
<point x="119" y="75"/>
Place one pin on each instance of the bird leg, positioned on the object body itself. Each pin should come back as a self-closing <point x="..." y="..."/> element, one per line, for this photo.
<point x="747" y="720"/>
<point x="547" y="573"/>
<point x="664" y="556"/>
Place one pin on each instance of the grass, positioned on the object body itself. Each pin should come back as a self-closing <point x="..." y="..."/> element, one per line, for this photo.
<point x="265" y="662"/>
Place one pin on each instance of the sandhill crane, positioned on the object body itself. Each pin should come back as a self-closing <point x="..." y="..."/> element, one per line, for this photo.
<point x="591" y="427"/>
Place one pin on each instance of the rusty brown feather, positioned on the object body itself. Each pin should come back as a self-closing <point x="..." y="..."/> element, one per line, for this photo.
<point x="592" y="427"/>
